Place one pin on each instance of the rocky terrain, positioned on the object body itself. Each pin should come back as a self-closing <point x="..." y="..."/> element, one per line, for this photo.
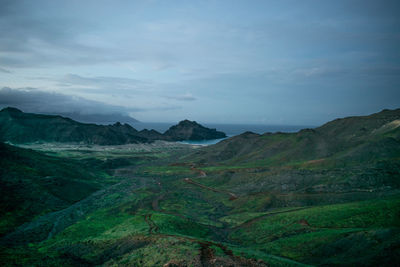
<point x="191" y="130"/>
<point x="328" y="196"/>
<point x="19" y="127"/>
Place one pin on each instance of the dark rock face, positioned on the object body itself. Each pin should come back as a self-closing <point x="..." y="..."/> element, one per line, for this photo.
<point x="19" y="127"/>
<point x="11" y="110"/>
<point x="151" y="134"/>
<point x="191" y="130"/>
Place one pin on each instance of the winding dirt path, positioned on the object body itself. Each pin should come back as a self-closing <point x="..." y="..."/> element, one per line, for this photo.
<point x="256" y="219"/>
<point x="153" y="228"/>
<point x="232" y="196"/>
<point x="206" y="253"/>
<point x="155" y="202"/>
<point x="156" y="207"/>
<point x="200" y="172"/>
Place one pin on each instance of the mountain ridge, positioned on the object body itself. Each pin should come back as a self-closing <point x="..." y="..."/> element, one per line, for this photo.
<point x="19" y="127"/>
<point x="102" y="119"/>
<point x="319" y="142"/>
<point x="323" y="196"/>
<point x="191" y="130"/>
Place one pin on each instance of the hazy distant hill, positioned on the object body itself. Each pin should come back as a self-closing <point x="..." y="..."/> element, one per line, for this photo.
<point x="191" y="130"/>
<point x="354" y="153"/>
<point x="19" y="127"/>
<point x="328" y="196"/>
<point x="352" y="137"/>
<point x="99" y="118"/>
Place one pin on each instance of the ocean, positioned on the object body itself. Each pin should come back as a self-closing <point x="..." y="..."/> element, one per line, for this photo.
<point x="229" y="129"/>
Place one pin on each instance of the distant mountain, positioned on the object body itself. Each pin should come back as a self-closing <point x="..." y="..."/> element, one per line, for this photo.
<point x="151" y="134"/>
<point x="346" y="136"/>
<point x="354" y="153"/>
<point x="19" y="127"/>
<point x="104" y="119"/>
<point x="328" y="196"/>
<point x="191" y="130"/>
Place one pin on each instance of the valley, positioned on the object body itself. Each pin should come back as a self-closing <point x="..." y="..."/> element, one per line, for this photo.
<point x="199" y="133"/>
<point x="323" y="196"/>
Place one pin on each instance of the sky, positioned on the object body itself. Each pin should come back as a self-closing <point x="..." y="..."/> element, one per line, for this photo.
<point x="256" y="62"/>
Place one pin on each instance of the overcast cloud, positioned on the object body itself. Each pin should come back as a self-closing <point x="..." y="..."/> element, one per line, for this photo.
<point x="286" y="62"/>
<point x="34" y="100"/>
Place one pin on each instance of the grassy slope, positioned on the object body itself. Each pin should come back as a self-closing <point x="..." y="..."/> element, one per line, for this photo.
<point x="120" y="234"/>
<point x="331" y="234"/>
<point x="33" y="184"/>
<point x="299" y="200"/>
<point x="357" y="138"/>
<point x="354" y="155"/>
<point x="19" y="127"/>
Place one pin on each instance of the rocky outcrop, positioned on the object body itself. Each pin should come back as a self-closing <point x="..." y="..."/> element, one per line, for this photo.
<point x="191" y="130"/>
<point x="151" y="134"/>
<point x="19" y="127"/>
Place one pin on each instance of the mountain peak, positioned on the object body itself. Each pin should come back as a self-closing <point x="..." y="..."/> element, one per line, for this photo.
<point x="11" y="110"/>
<point x="191" y="130"/>
<point x="19" y="127"/>
<point x="188" y="122"/>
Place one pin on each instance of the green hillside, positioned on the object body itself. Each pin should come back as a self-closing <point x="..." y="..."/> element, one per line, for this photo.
<point x="18" y="127"/>
<point x="324" y="196"/>
<point x="357" y="155"/>
<point x="33" y="184"/>
<point x="351" y="138"/>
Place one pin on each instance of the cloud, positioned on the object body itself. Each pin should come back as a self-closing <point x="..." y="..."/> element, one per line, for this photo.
<point x="3" y="70"/>
<point x="162" y="66"/>
<point x="36" y="101"/>
<point x="382" y="70"/>
<point x="104" y="84"/>
<point x="274" y="54"/>
<point x="185" y="97"/>
<point x="65" y="35"/>
<point x="31" y="39"/>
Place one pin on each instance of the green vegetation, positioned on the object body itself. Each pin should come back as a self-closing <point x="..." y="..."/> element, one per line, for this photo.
<point x="33" y="184"/>
<point x="327" y="196"/>
<point x="19" y="127"/>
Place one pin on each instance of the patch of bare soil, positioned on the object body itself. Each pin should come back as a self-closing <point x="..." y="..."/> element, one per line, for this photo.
<point x="232" y="196"/>
<point x="153" y="228"/>
<point x="256" y="219"/>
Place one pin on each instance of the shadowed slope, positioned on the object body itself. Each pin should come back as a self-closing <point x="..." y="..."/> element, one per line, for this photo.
<point x="191" y="130"/>
<point x="19" y="127"/>
<point x="343" y="160"/>
<point x="324" y="196"/>
<point x="376" y="135"/>
<point x="33" y="184"/>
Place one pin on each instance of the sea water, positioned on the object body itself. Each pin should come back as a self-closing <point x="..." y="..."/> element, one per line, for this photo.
<point x="229" y="129"/>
